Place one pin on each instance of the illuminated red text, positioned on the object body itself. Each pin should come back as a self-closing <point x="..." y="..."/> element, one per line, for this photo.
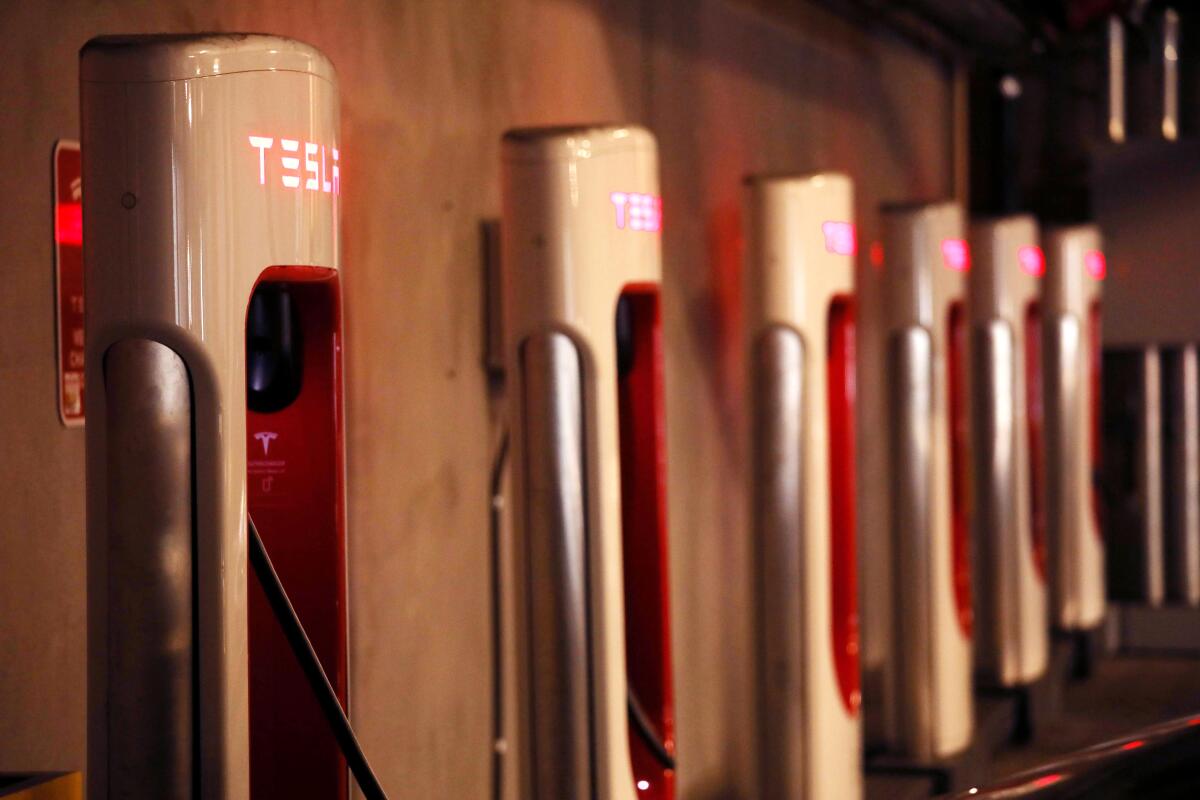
<point x="1032" y="261"/>
<point x="840" y="238"/>
<point x="956" y="254"/>
<point x="306" y="165"/>
<point x="637" y="212"/>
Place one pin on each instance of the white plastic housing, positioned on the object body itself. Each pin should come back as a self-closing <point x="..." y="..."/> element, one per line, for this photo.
<point x="1012" y="632"/>
<point x="1071" y="289"/>
<point x="580" y="224"/>
<point x="800" y="261"/>
<point x="916" y="592"/>
<point x="184" y="212"/>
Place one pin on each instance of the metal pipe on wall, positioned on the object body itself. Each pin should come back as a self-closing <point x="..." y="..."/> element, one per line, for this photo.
<point x="1183" y="468"/>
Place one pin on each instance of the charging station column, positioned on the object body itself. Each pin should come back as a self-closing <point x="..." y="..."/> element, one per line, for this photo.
<point x="1075" y="269"/>
<point x="800" y="312"/>
<point x="581" y="251"/>
<point x="1010" y="481"/>
<point x="920" y="704"/>
<point x="212" y="183"/>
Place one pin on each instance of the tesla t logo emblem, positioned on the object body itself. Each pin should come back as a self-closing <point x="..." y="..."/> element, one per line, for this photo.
<point x="637" y="212"/>
<point x="320" y="171"/>
<point x="265" y="438"/>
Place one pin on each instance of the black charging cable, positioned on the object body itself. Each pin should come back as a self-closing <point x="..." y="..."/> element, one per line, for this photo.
<point x="645" y="731"/>
<point x="318" y="681"/>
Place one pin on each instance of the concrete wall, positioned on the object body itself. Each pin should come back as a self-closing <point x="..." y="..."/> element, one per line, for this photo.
<point x="428" y="87"/>
<point x="1145" y="200"/>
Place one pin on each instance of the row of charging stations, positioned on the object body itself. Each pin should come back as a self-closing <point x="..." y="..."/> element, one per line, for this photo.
<point x="212" y="177"/>
<point x="214" y="375"/>
<point x="985" y="390"/>
<point x="978" y="389"/>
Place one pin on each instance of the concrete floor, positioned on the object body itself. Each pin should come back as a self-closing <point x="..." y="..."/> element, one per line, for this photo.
<point x="1126" y="692"/>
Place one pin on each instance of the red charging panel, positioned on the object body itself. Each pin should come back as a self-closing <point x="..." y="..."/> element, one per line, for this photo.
<point x="644" y="538"/>
<point x="1037" y="419"/>
<point x="1094" y="361"/>
<point x="960" y="468"/>
<point x="297" y="498"/>
<point x="68" y="280"/>
<point x="843" y="552"/>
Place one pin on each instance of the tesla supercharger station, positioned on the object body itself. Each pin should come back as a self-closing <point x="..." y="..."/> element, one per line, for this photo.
<point x="1075" y="269"/>
<point x="1012" y="640"/>
<point x="214" y="386"/>
<point x="581" y="244"/>
<point x="799" y="284"/>
<point x="916" y="557"/>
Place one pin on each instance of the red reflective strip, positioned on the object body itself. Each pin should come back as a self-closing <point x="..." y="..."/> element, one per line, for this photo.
<point x="68" y="224"/>
<point x="1047" y="780"/>
<point x="68" y="282"/>
<point x="1035" y="410"/>
<point x="843" y="552"/>
<point x="297" y="498"/>
<point x="960" y="478"/>
<point x="1094" y="361"/>
<point x="1134" y="745"/>
<point x="644" y="537"/>
<point x="876" y="254"/>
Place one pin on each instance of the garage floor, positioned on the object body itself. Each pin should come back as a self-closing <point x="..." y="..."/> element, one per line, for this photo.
<point x="1125" y="692"/>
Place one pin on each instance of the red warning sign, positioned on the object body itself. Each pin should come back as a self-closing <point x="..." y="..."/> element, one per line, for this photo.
<point x="68" y="279"/>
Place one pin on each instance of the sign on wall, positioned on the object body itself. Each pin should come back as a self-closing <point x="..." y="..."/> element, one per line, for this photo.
<point x="68" y="279"/>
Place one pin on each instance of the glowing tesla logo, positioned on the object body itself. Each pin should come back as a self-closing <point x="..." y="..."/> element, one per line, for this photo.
<point x="637" y="212"/>
<point x="265" y="438"/>
<point x="320" y="171"/>
<point x="956" y="254"/>
<point x="1032" y="261"/>
<point x="1095" y="264"/>
<point x="840" y="238"/>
